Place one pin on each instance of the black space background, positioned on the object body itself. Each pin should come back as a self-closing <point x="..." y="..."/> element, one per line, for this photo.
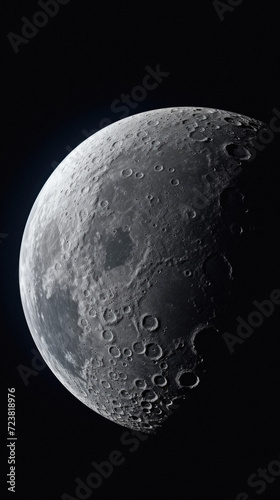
<point x="63" y="81"/>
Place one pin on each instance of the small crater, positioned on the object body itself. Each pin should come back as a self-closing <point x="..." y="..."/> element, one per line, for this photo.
<point x="233" y="121"/>
<point x="217" y="267"/>
<point x="138" y="347"/>
<point x="149" y="323"/>
<point x="191" y="214"/>
<point x="158" y="168"/>
<point x="126" y="172"/>
<point x="125" y="394"/>
<point x="153" y="123"/>
<point x="114" y="351"/>
<point x="110" y="317"/>
<point x="140" y="384"/>
<point x="127" y="352"/>
<point x="149" y="395"/>
<point x="142" y="134"/>
<point x="103" y="203"/>
<point x="238" y="152"/>
<point x="236" y="229"/>
<point x="83" y="214"/>
<point x="198" y="135"/>
<point x="160" y="380"/>
<point x="187" y="379"/>
<point x="108" y="335"/>
<point x="153" y="351"/>
<point x="105" y="384"/>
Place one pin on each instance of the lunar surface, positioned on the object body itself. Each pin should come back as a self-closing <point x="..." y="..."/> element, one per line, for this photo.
<point x="124" y="257"/>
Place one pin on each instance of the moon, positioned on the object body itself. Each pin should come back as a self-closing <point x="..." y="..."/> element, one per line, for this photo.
<point x="124" y="257"/>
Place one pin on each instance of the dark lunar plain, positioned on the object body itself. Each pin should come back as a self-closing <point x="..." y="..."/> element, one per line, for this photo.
<point x="56" y="90"/>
